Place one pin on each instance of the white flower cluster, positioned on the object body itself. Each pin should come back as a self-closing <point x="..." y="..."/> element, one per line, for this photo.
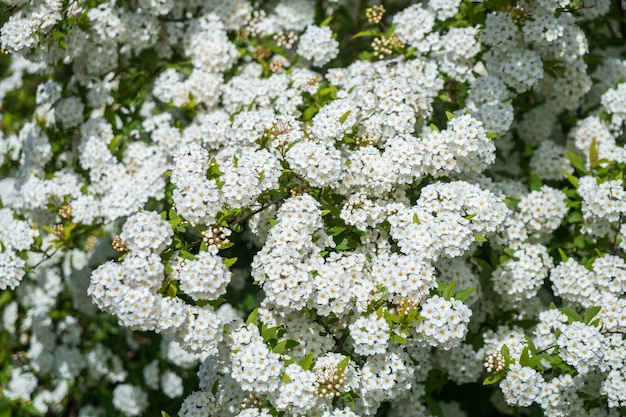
<point x="370" y="335"/>
<point x="445" y="219"/>
<point x="605" y="280"/>
<point x="197" y="198"/>
<point x="604" y="201"/>
<point x="522" y="385"/>
<point x="145" y="233"/>
<point x="300" y="393"/>
<point x="542" y="211"/>
<point x="580" y="346"/>
<point x="204" y="278"/>
<point x="16" y="236"/>
<point x="445" y="322"/>
<point x="520" y="277"/>
<point x="317" y="45"/>
<point x="590" y="134"/>
<point x="254" y="366"/>
<point x="489" y="103"/>
<point x="549" y="161"/>
<point x="130" y="399"/>
<point x="404" y="275"/>
<point x="614" y="101"/>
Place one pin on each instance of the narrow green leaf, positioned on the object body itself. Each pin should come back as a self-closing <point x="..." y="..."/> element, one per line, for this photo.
<point x="269" y="333"/>
<point x="398" y="339"/>
<point x="343" y="245"/>
<point x="416" y="219"/>
<point x="344" y="116"/>
<point x="187" y="255"/>
<point x="493" y="378"/>
<point x="307" y="362"/>
<point x="464" y="294"/>
<point x="252" y="318"/>
<point x="480" y="238"/>
<point x="341" y="367"/>
<point x="447" y="293"/>
<point x="574" y="316"/>
<point x="504" y="350"/>
<point x="572" y="179"/>
<point x="366" y="33"/>
<point x="535" y="182"/>
<point x="228" y="262"/>
<point x="593" y="153"/>
<point x="524" y="358"/>
<point x="577" y="163"/>
<point x="449" y="115"/>
<point x="326" y="21"/>
<point x="285" y="344"/>
<point x="574" y="217"/>
<point x="336" y="230"/>
<point x="591" y="313"/>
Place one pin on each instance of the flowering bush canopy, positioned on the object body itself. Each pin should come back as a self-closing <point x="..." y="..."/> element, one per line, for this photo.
<point x="312" y="208"/>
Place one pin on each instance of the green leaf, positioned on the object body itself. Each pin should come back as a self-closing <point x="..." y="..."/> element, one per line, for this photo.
<point x="433" y="407"/>
<point x="344" y="116"/>
<point x="366" y="33"/>
<point x="448" y="291"/>
<point x="269" y="333"/>
<point x="416" y="219"/>
<point x="187" y="255"/>
<point x="326" y="21"/>
<point x="479" y="238"/>
<point x="576" y="162"/>
<point x="591" y="313"/>
<point x="341" y="367"/>
<point x="434" y="127"/>
<point x="228" y="262"/>
<point x="285" y="378"/>
<point x="524" y="358"/>
<point x="572" y="179"/>
<point x="574" y="217"/>
<point x="398" y="339"/>
<point x="504" y="350"/>
<point x="593" y="153"/>
<point x="253" y="317"/>
<point x="336" y="230"/>
<point x="535" y="182"/>
<point x="309" y="112"/>
<point x="491" y="135"/>
<point x="57" y="35"/>
<point x="285" y="344"/>
<point x="307" y="362"/>
<point x="343" y="245"/>
<point x="493" y="378"/>
<point x="464" y="294"/>
<point x="574" y="316"/>
<point x="449" y="115"/>
<point x="164" y="414"/>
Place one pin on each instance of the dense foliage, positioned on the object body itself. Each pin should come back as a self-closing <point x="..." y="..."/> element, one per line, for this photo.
<point x="312" y="208"/>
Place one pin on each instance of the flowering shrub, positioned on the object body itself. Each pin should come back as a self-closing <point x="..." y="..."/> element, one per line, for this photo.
<point x="312" y="208"/>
